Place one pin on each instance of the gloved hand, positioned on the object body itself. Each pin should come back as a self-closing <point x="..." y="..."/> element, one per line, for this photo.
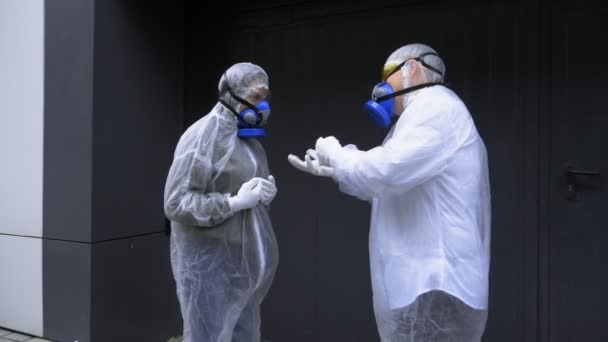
<point x="269" y="190"/>
<point x="248" y="196"/>
<point x="311" y="164"/>
<point x="327" y="150"/>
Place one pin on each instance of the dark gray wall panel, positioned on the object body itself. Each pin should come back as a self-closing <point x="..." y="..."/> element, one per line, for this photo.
<point x="137" y="113"/>
<point x="133" y="292"/>
<point x="68" y="104"/>
<point x="67" y="290"/>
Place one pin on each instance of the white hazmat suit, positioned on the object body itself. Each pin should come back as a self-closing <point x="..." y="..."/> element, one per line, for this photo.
<point x="223" y="258"/>
<point x="429" y="240"/>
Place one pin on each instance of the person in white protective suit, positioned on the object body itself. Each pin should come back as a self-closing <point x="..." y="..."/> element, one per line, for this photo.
<point x="428" y="185"/>
<point x="223" y="249"/>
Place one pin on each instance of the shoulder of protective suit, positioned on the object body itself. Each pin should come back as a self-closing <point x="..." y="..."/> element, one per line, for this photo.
<point x="197" y="131"/>
<point x="441" y="99"/>
<point x="453" y="114"/>
<point x="436" y="107"/>
<point x="441" y="95"/>
<point x="199" y="125"/>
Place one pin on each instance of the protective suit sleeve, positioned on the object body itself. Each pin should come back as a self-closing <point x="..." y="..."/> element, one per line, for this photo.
<point x="419" y="149"/>
<point x="350" y="153"/>
<point x="187" y="200"/>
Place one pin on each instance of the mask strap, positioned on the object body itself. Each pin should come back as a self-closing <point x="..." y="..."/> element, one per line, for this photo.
<point x="407" y="90"/>
<point x="426" y="65"/>
<point x="259" y="118"/>
<point x="229" y="107"/>
<point x="243" y="101"/>
<point x="224" y="103"/>
<point x="233" y="111"/>
<point x="418" y="59"/>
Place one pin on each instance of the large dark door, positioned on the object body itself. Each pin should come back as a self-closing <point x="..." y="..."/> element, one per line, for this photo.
<point x="530" y="76"/>
<point x="577" y="132"/>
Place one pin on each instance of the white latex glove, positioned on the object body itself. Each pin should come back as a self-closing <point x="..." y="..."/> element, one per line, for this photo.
<point x="327" y="150"/>
<point x="311" y="164"/>
<point x="269" y="190"/>
<point x="248" y="196"/>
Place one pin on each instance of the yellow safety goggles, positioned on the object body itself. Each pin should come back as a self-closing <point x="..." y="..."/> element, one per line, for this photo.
<point x="390" y="69"/>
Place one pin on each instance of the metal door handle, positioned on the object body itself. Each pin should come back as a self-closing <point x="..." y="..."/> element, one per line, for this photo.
<point x="574" y="172"/>
<point x="571" y="175"/>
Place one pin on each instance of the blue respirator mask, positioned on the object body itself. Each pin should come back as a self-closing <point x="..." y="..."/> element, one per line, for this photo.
<point x="380" y="107"/>
<point x="251" y="119"/>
